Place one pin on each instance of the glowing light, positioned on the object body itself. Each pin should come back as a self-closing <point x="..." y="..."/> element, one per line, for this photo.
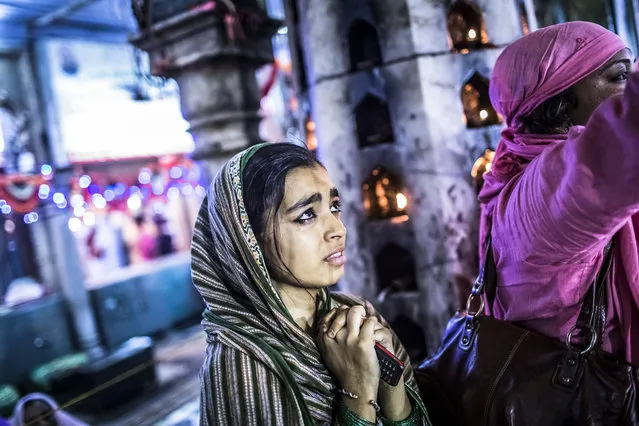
<point x="109" y="195"/>
<point x="134" y="190"/>
<point x="402" y="201"/>
<point x="175" y="172"/>
<point x="145" y="176"/>
<point x="3" y="203"/>
<point x="89" y="219"/>
<point x="282" y="30"/>
<point x="44" y="191"/>
<point x="120" y="188"/>
<point x="59" y="198"/>
<point x="173" y="193"/>
<point x="472" y="34"/>
<point x="62" y="205"/>
<point x="134" y="202"/>
<point x="98" y="201"/>
<point x="76" y="199"/>
<point x="46" y="170"/>
<point x="9" y="226"/>
<point x="6" y="209"/>
<point x="34" y="217"/>
<point x="187" y="189"/>
<point x="75" y="224"/>
<point x="483" y="114"/>
<point x="79" y="210"/>
<point x="84" y="181"/>
<point x="158" y="188"/>
<point x="200" y="191"/>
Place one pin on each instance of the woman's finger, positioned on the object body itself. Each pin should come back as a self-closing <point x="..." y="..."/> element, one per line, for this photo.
<point x="326" y="321"/>
<point x="367" y="331"/>
<point x="339" y="321"/>
<point x="354" y="319"/>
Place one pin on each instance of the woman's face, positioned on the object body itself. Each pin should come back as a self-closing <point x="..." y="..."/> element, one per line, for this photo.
<point x="606" y="82"/>
<point x="310" y="244"/>
<point x="39" y="413"/>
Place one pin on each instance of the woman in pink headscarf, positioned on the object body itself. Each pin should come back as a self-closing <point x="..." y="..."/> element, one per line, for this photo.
<point x="565" y="180"/>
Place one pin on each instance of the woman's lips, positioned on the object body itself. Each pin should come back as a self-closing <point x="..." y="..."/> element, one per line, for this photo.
<point x="336" y="259"/>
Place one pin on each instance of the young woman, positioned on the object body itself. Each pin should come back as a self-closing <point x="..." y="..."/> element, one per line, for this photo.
<point x="282" y="349"/>
<point x="565" y="180"/>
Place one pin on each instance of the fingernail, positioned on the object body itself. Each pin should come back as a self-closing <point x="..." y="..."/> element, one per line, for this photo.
<point x="324" y="328"/>
<point x="331" y="334"/>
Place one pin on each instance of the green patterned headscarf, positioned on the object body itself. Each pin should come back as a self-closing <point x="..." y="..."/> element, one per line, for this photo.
<point x="244" y="308"/>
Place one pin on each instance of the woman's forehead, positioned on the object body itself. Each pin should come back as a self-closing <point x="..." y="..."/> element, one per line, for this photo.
<point x="305" y="181"/>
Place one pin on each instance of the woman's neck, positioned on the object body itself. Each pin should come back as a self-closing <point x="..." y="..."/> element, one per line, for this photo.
<point x="301" y="304"/>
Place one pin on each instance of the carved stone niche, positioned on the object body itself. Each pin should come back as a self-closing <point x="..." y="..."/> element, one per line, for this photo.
<point x="466" y="27"/>
<point x="395" y="270"/>
<point x="373" y="121"/>
<point x="475" y="97"/>
<point x="363" y="46"/>
<point x="383" y="196"/>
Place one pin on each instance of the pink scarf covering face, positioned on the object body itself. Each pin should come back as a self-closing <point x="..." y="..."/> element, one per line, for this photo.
<point x="529" y="72"/>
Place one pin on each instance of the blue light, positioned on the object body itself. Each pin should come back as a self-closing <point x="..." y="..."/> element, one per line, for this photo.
<point x="175" y="172"/>
<point x="93" y="189"/>
<point x="46" y="170"/>
<point x="44" y="191"/>
<point x="145" y="176"/>
<point x="109" y="195"/>
<point x="119" y="189"/>
<point x="6" y="209"/>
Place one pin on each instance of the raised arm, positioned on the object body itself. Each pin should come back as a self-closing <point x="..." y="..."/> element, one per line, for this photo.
<point x="572" y="198"/>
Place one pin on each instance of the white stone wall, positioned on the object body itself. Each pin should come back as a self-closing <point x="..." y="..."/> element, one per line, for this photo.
<point x="421" y="79"/>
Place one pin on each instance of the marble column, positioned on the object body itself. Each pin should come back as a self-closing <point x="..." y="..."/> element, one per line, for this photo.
<point x="216" y="76"/>
<point x="327" y="60"/>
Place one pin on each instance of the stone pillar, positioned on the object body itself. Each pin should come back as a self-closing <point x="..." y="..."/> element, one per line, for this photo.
<point x="327" y="59"/>
<point x="71" y="279"/>
<point x="440" y="151"/>
<point x="216" y="75"/>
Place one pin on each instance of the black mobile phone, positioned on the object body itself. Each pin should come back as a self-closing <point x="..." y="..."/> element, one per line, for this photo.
<point x="391" y="367"/>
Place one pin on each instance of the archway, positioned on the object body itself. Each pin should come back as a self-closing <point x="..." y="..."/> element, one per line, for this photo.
<point x="475" y="98"/>
<point x="383" y="195"/>
<point x="395" y="270"/>
<point x="466" y="26"/>
<point x="363" y="45"/>
<point x="373" y="121"/>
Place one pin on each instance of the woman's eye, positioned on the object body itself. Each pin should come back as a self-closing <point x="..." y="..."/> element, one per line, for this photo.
<point x="622" y="77"/>
<point x="336" y="207"/>
<point x="307" y="216"/>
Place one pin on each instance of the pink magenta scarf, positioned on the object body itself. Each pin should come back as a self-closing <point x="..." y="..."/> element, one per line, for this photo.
<point x="545" y="294"/>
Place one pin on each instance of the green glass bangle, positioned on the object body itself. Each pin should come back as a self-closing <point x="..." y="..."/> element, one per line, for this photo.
<point x="346" y="417"/>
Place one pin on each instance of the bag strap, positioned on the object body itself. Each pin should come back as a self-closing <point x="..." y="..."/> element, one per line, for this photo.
<point x="592" y="316"/>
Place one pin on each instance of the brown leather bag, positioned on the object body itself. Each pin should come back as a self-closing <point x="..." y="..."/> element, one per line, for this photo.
<point x="489" y="372"/>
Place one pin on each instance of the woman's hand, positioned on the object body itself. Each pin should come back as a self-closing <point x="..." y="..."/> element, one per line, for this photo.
<point x="393" y="400"/>
<point x="349" y="354"/>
